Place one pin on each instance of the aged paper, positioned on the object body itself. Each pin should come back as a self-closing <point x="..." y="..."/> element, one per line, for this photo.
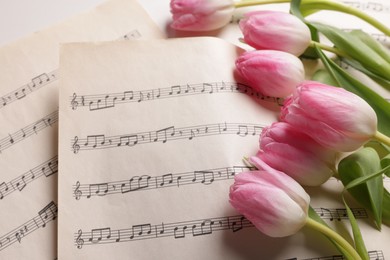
<point x="149" y="143"/>
<point x="29" y="122"/>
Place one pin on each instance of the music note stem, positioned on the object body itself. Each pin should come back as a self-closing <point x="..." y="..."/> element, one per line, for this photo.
<point x="352" y="254"/>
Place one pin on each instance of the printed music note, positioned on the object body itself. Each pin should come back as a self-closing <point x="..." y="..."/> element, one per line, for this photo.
<point x="139" y="230"/>
<point x="40" y="80"/>
<point x="98" y="234"/>
<point x="129" y="140"/>
<point x="206" y="228"/>
<point x="128" y="95"/>
<point x="23" y="94"/>
<point x="141" y="182"/>
<point x="20" y="185"/>
<point x="95" y="140"/>
<point x="326" y="213"/>
<point x="175" y="90"/>
<point x="99" y="189"/>
<point x="242" y="130"/>
<point x="180" y="231"/>
<point x="166" y="179"/>
<point x="207" y="177"/>
<point x="3" y="189"/>
<point x="162" y="135"/>
<point x="48" y="213"/>
<point x="237" y="225"/>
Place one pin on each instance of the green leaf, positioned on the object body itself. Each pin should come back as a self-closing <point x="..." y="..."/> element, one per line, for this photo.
<point x="378" y="103"/>
<point x="357" y="235"/>
<point x="368" y="190"/>
<point x="313" y="215"/>
<point x="378" y="79"/>
<point x="386" y="208"/>
<point x="354" y="47"/>
<point x="380" y="148"/>
<point x="385" y="162"/>
<point x="372" y="43"/>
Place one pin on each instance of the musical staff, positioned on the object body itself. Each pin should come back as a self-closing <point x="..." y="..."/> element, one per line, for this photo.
<point x="110" y="100"/>
<point x="47" y="214"/>
<point x="340" y="213"/>
<point x="29" y="130"/>
<point x="46" y="169"/>
<point x="176" y="230"/>
<point x="146" y="182"/>
<point x="45" y="79"/>
<point x="100" y="141"/>
<point x="369" y="6"/>
<point x="373" y="255"/>
<point x="35" y="84"/>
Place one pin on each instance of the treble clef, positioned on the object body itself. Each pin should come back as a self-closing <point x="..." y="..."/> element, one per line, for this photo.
<point x="74" y="103"/>
<point x="76" y="146"/>
<point x="79" y="240"/>
<point x="77" y="192"/>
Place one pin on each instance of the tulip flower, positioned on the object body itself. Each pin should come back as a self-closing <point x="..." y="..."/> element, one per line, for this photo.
<point x="272" y="30"/>
<point x="201" y="15"/>
<point x="278" y="206"/>
<point x="272" y="73"/>
<point x="334" y="117"/>
<point x="285" y="148"/>
<point x="275" y="203"/>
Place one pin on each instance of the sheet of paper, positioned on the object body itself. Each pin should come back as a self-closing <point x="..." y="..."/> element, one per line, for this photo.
<point x="149" y="144"/>
<point x="29" y="123"/>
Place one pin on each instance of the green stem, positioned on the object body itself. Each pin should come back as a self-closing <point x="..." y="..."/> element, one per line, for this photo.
<point x="337" y="6"/>
<point x="259" y="2"/>
<point x="334" y="236"/>
<point x="382" y="138"/>
<point x="328" y="48"/>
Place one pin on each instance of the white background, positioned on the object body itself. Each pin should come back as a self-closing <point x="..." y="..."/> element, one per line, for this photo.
<point x="19" y="18"/>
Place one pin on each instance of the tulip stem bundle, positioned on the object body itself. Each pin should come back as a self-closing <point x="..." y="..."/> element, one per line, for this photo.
<point x="334" y="236"/>
<point x="382" y="138"/>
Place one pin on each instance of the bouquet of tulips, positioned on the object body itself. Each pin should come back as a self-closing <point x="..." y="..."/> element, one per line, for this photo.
<point x="333" y="125"/>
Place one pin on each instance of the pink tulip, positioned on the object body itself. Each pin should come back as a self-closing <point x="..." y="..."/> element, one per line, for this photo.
<point x="272" y="30"/>
<point x="285" y="148"/>
<point x="334" y="117"/>
<point x="275" y="203"/>
<point x="272" y="73"/>
<point x="201" y="15"/>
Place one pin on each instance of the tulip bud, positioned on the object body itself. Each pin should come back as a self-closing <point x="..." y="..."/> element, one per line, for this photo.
<point x="334" y="117"/>
<point x="272" y="73"/>
<point x="285" y="148"/>
<point x="201" y="15"/>
<point x="272" y="30"/>
<point x="275" y="203"/>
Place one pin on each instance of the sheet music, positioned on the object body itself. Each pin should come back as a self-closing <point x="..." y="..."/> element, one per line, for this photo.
<point x="29" y="123"/>
<point x="150" y="179"/>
